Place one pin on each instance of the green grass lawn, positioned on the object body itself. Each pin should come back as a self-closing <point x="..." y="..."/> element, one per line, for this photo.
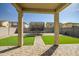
<point x="29" y="40"/>
<point x="13" y="41"/>
<point x="63" y="40"/>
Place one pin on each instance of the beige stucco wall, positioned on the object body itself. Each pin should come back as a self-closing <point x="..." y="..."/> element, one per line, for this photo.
<point x="5" y="24"/>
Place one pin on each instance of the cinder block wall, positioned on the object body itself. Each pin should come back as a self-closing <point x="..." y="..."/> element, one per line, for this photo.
<point x="73" y="31"/>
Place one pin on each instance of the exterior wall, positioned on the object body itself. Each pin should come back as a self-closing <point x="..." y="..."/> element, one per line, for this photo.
<point x="14" y="24"/>
<point x="25" y="27"/>
<point x="39" y="26"/>
<point x="49" y="27"/>
<point x="68" y="25"/>
<point x="36" y="26"/>
<point x="4" y="24"/>
<point x="76" y="31"/>
<point x="72" y="31"/>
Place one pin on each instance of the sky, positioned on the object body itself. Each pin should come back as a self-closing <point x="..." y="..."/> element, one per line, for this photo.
<point x="69" y="14"/>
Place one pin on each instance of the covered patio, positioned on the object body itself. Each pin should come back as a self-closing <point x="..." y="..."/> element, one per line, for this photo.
<point x="45" y="8"/>
<point x="39" y="48"/>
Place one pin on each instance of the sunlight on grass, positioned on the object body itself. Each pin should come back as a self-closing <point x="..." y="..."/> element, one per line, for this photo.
<point x="48" y="39"/>
<point x="29" y="40"/>
<point x="13" y="41"/>
<point x="63" y="40"/>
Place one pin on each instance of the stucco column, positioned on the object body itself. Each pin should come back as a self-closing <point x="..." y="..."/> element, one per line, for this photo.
<point x="56" y="28"/>
<point x="20" y="29"/>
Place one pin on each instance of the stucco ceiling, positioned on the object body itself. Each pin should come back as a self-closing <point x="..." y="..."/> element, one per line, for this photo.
<point x="41" y="7"/>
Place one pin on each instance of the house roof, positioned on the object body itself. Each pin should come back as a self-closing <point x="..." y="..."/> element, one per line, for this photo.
<point x="71" y="24"/>
<point x="3" y="20"/>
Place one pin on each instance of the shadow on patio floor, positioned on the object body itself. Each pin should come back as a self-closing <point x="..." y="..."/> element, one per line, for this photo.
<point x="6" y="50"/>
<point x="50" y="51"/>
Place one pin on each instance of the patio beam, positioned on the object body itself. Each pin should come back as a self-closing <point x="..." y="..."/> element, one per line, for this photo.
<point x="18" y="8"/>
<point x="37" y="10"/>
<point x="20" y="29"/>
<point x="61" y="7"/>
<point x="56" y="28"/>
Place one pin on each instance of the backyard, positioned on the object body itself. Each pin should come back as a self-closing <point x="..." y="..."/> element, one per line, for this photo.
<point x="29" y="40"/>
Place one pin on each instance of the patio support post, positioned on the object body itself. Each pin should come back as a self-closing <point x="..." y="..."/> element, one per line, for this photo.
<point x="56" y="28"/>
<point x="20" y="29"/>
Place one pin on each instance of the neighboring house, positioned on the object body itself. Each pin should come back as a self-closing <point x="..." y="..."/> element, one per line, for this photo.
<point x="8" y="23"/>
<point x="36" y="26"/>
<point x="14" y="24"/>
<point x="49" y="27"/>
<point x="4" y="23"/>
<point x="25" y="27"/>
<point x="71" y="29"/>
<point x="68" y="25"/>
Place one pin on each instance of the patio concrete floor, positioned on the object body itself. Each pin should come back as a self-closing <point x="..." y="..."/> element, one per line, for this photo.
<point x="40" y="49"/>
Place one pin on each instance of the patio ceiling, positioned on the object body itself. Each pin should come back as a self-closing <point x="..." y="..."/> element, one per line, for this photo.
<point x="40" y="7"/>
